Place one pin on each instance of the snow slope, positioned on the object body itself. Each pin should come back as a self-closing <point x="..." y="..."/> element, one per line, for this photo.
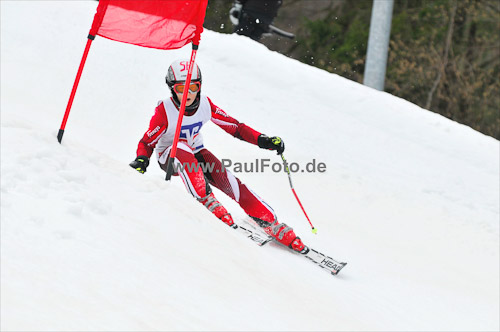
<point x="409" y="199"/>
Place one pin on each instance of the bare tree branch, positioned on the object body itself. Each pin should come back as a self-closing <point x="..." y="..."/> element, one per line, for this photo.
<point x="444" y="62"/>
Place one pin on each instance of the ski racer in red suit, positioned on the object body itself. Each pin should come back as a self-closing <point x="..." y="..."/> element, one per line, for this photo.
<point x="190" y="151"/>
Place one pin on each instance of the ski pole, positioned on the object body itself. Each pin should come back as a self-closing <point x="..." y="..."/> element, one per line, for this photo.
<point x="314" y="230"/>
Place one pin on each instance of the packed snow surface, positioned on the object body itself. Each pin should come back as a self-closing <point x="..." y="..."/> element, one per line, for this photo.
<point x="409" y="199"/>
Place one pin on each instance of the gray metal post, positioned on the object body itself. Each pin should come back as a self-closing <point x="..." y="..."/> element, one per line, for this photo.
<point x="378" y="44"/>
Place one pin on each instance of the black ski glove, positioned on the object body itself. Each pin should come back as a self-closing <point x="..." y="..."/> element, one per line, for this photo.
<point x="271" y="143"/>
<point x="140" y="164"/>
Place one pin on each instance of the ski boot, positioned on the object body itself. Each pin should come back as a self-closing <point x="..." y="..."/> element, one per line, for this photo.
<point x="286" y="236"/>
<point x="214" y="206"/>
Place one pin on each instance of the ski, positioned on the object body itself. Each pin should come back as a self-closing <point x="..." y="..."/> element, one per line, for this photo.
<point x="260" y="239"/>
<point x="327" y="263"/>
<point x="280" y="32"/>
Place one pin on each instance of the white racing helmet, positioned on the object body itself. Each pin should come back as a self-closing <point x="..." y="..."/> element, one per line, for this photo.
<point x="177" y="73"/>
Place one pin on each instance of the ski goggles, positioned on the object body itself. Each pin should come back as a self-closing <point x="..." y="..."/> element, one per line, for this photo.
<point x="193" y="87"/>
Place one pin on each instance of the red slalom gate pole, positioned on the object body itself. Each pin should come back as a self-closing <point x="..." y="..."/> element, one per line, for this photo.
<point x="75" y="86"/>
<point x="96" y="23"/>
<point x="314" y="230"/>
<point x="173" y="151"/>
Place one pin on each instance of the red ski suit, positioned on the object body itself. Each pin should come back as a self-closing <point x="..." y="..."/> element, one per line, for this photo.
<point x="189" y="153"/>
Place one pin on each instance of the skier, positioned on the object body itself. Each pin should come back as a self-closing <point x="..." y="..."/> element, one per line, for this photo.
<point x="191" y="153"/>
<point x="252" y="18"/>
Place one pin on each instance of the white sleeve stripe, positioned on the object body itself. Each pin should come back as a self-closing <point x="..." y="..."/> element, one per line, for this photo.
<point x="157" y="138"/>
<point x="223" y="123"/>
